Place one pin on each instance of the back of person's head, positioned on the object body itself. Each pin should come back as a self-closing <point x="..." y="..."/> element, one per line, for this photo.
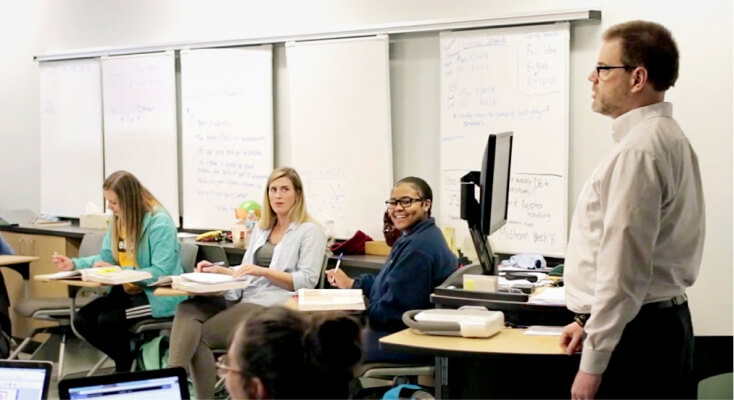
<point x="650" y="45"/>
<point x="298" y="213"/>
<point x="297" y="355"/>
<point x="134" y="200"/>
<point x="421" y="186"/>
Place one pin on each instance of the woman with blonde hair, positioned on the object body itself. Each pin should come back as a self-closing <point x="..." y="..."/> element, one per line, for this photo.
<point x="141" y="236"/>
<point x="285" y="254"/>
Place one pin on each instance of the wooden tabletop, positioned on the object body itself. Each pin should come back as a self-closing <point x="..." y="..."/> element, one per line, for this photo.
<point x="506" y="341"/>
<point x="168" y="291"/>
<point x="11" y="260"/>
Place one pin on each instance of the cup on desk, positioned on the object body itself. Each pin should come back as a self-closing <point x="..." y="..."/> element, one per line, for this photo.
<point x="480" y="283"/>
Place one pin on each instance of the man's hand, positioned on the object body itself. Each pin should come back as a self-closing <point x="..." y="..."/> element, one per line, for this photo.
<point x="585" y="385"/>
<point x="572" y="338"/>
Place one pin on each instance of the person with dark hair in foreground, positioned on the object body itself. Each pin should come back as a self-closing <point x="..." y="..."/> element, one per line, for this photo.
<point x="280" y="353"/>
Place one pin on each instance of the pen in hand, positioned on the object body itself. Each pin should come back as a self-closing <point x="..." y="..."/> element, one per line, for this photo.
<point x="336" y="269"/>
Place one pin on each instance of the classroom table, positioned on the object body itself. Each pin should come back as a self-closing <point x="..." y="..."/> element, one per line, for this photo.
<point x="509" y="364"/>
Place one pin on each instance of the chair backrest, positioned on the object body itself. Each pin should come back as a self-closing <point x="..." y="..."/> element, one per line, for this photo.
<point x="322" y="277"/>
<point x="91" y="243"/>
<point x="213" y="253"/>
<point x="188" y="256"/>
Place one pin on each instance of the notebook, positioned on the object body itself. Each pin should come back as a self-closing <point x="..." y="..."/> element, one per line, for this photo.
<point x="169" y="384"/>
<point x="330" y="299"/>
<point x="21" y="380"/>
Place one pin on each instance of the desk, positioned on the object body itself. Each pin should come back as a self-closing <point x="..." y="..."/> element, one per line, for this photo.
<point x="517" y="313"/>
<point x="21" y="264"/>
<point x="507" y="365"/>
<point x="353" y="264"/>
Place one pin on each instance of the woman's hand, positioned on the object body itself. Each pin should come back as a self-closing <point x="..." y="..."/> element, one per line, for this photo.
<point x="212" y="268"/>
<point x="63" y="263"/>
<point x="100" y="263"/>
<point x="250" y="269"/>
<point x="338" y="278"/>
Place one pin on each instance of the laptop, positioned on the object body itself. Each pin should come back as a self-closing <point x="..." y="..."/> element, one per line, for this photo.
<point x="168" y="384"/>
<point x="24" y="380"/>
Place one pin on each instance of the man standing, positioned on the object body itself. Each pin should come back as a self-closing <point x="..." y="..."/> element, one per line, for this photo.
<point x="638" y="230"/>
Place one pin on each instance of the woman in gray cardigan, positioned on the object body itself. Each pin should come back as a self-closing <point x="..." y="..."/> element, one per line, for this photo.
<point x="285" y="254"/>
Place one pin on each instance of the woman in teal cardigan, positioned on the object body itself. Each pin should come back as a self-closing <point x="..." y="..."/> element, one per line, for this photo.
<point x="137" y="214"/>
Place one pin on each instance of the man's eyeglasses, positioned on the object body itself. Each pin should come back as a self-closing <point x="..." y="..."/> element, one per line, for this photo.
<point x="600" y="68"/>
<point x="404" y="202"/>
<point x="223" y="367"/>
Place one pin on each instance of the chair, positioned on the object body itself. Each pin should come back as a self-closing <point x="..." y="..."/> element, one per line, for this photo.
<point x="145" y="327"/>
<point x="322" y="276"/>
<point x="388" y="371"/>
<point x="716" y="387"/>
<point x="58" y="310"/>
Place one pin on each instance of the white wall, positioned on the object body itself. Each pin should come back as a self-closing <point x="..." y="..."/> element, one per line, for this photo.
<point x="702" y="97"/>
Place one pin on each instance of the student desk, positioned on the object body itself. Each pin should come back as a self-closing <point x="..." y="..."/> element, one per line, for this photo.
<point x="507" y="365"/>
<point x="20" y="264"/>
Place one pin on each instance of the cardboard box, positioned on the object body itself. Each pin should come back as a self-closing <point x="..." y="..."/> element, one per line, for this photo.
<point x="95" y="221"/>
<point x="377" y="248"/>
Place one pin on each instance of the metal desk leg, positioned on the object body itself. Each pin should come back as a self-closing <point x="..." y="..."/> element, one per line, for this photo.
<point x="441" y="377"/>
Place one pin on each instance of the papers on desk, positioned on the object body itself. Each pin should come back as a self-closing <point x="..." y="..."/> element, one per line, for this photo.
<point x="75" y="274"/>
<point x="550" y="296"/>
<point x="330" y="299"/>
<point x="112" y="275"/>
<point x="540" y="330"/>
<point x="208" y="283"/>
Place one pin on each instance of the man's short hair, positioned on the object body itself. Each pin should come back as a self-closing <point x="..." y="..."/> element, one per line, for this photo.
<point x="650" y="45"/>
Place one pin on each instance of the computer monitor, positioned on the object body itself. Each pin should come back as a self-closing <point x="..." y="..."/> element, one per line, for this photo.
<point x="489" y="214"/>
<point x="170" y="383"/>
<point x="24" y="379"/>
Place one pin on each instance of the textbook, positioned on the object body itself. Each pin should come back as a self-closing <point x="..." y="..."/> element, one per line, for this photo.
<point x="330" y="299"/>
<point x="114" y="275"/>
<point x="208" y="283"/>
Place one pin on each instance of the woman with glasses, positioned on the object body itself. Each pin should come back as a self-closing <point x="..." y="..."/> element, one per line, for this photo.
<point x="279" y="353"/>
<point x="285" y="254"/>
<point x="419" y="261"/>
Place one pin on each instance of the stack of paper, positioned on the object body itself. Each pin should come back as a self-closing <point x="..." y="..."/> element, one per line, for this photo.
<point x="114" y="275"/>
<point x="551" y="296"/>
<point x="201" y="282"/>
<point x="330" y="299"/>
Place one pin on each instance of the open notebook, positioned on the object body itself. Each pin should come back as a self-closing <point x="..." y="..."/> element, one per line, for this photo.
<point x="330" y="299"/>
<point x="112" y="275"/>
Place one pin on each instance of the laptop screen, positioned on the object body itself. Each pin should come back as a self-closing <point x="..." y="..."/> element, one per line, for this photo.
<point x="144" y="385"/>
<point x="24" y="380"/>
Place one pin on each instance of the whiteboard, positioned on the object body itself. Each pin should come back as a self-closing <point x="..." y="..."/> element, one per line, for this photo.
<point x="512" y="79"/>
<point x="71" y="136"/>
<point x="140" y="130"/>
<point x="227" y="131"/>
<point x="342" y="143"/>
